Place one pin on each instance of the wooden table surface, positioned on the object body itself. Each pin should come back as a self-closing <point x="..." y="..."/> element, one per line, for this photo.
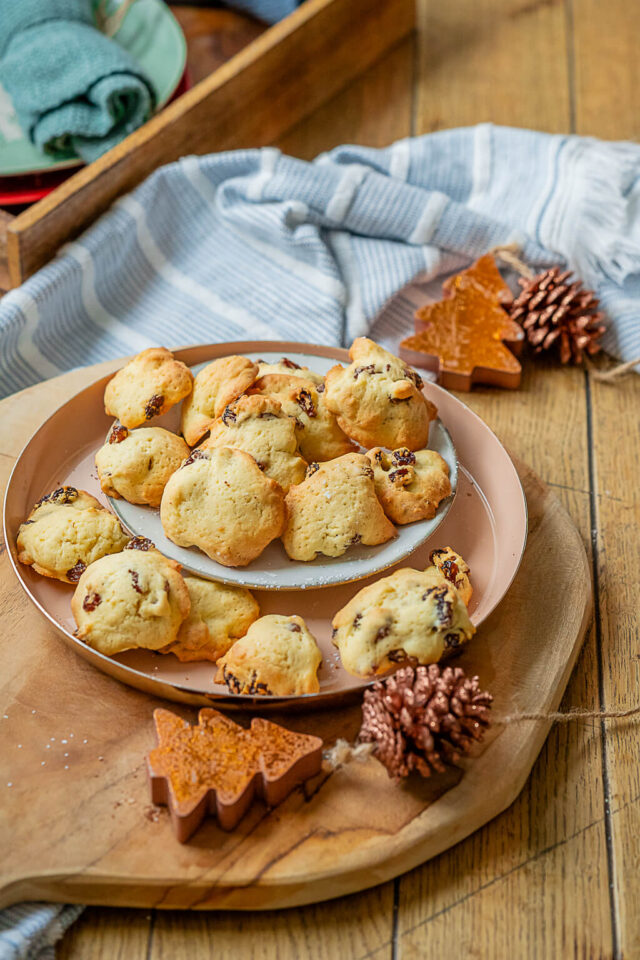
<point x="556" y="876"/>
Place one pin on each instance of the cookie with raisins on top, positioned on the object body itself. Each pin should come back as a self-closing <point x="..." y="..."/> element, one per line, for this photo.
<point x="66" y="531"/>
<point x="334" y="508"/>
<point x="278" y="656"/>
<point x="319" y="436"/>
<point x="378" y="399"/>
<point x="290" y="368"/>
<point x="260" y="427"/>
<point x="136" y="464"/>
<point x="220" y="501"/>
<point x="148" y="386"/>
<point x="136" y="598"/>
<point x="411" y="615"/>
<point x="410" y="486"/>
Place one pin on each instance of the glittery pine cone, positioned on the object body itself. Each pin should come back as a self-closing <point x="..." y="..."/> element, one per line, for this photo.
<point x="553" y="310"/>
<point x="423" y="718"/>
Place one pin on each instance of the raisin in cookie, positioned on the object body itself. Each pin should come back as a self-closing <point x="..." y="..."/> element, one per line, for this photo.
<point x="455" y="569"/>
<point x="214" y="388"/>
<point x="135" y="598"/>
<point x="66" y="531"/>
<point x="136" y="464"/>
<point x="409" y="485"/>
<point x="220" y="615"/>
<point x="377" y="399"/>
<point x="260" y="427"/>
<point x="335" y="508"/>
<point x="278" y="656"/>
<point x="289" y="368"/>
<point x="415" y="614"/>
<point x="149" y="385"/>
<point x="220" y="501"/>
<point x="319" y="436"/>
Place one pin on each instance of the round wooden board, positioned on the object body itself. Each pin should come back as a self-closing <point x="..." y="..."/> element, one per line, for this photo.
<point x="78" y="824"/>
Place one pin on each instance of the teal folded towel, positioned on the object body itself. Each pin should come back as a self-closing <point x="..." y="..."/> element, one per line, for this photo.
<point x="75" y="92"/>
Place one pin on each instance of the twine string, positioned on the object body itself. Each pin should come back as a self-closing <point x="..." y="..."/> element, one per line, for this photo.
<point x="568" y="717"/>
<point x="343" y="752"/>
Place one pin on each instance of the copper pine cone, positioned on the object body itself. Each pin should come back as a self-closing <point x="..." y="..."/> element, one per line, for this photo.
<point x="553" y="309"/>
<point x="423" y="718"/>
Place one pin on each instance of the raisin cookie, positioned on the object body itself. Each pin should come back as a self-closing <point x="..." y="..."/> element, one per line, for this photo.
<point x="455" y="569"/>
<point x="260" y="427"/>
<point x="215" y="386"/>
<point x="149" y="385"/>
<point x="335" y="508"/>
<point x="136" y="465"/>
<point x="278" y="656"/>
<point x="411" y="614"/>
<point x="220" y="615"/>
<point x="378" y="400"/>
<point x="319" y="436"/>
<point x="135" y="598"/>
<point x="410" y="486"/>
<point x="220" y="501"/>
<point x="289" y="368"/>
<point x="66" y="531"/>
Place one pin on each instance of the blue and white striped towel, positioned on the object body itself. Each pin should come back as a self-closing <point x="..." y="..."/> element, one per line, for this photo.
<point x="254" y="244"/>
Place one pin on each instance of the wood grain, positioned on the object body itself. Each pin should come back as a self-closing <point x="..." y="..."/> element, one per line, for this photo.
<point x="502" y="61"/>
<point x="278" y="79"/>
<point x="607" y="100"/>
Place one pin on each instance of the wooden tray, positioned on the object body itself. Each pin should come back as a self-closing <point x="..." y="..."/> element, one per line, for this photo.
<point x="78" y="825"/>
<point x="279" y="78"/>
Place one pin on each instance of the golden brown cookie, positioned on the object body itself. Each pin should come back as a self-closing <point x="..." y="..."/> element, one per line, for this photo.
<point x="411" y="614"/>
<point x="215" y="386"/>
<point x="319" y="436"/>
<point x="148" y="386"/>
<point x="136" y="464"/>
<point x="289" y="368"/>
<point x="220" y="615"/>
<point x="260" y="427"/>
<point x="278" y="656"/>
<point x="66" y="531"/>
<point x="410" y="486"/>
<point x="378" y="399"/>
<point x="131" y="599"/>
<point x="220" y="501"/>
<point x="335" y="508"/>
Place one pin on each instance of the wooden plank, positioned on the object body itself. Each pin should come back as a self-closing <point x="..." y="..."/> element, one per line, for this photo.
<point x="278" y="79"/>
<point x="108" y="935"/>
<point x="549" y="848"/>
<point x="607" y="99"/>
<point x="502" y="61"/>
<point x="348" y="929"/>
<point x="374" y="110"/>
<point x="5" y="219"/>
<point x="546" y="856"/>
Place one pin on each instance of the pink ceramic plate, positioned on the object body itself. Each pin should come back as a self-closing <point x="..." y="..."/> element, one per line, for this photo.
<point x="487" y="525"/>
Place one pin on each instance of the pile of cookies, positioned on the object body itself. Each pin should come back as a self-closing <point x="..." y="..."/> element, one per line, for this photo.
<point x="274" y="450"/>
<point x="266" y="451"/>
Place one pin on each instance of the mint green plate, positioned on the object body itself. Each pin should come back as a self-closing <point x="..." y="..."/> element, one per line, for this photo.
<point x="152" y="36"/>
